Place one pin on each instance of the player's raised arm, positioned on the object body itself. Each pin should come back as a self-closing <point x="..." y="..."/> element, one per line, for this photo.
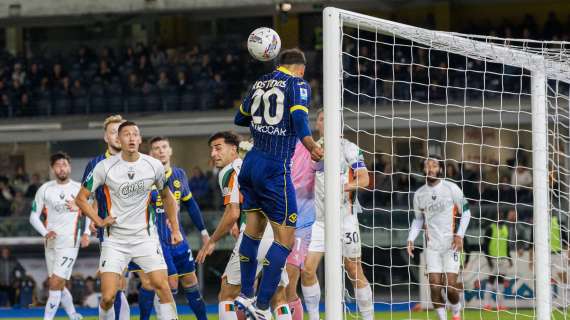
<point x="243" y="116"/>
<point x="300" y="95"/>
<point x="355" y="159"/>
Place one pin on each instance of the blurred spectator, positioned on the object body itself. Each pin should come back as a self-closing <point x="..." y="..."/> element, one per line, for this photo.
<point x="521" y="177"/>
<point x="10" y="270"/>
<point x="144" y="69"/>
<point x="92" y="296"/>
<point x="35" y="184"/>
<point x="20" y="206"/>
<point x="20" y="180"/>
<point x="452" y="173"/>
<point x="19" y="73"/>
<point x="6" y="196"/>
<point x="163" y="80"/>
<point x="105" y="72"/>
<point x="35" y="76"/>
<point x="57" y="73"/>
<point x="157" y="56"/>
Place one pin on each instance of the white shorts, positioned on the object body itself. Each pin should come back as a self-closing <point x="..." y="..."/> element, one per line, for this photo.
<point x="60" y="261"/>
<point x="232" y="271"/>
<point x="351" y="247"/>
<point x="447" y="261"/>
<point x="116" y="257"/>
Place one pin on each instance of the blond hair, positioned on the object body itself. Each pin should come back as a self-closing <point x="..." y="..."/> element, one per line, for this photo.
<point x="116" y="118"/>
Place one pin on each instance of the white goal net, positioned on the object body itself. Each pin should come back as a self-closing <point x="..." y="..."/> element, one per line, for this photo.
<point x="497" y="113"/>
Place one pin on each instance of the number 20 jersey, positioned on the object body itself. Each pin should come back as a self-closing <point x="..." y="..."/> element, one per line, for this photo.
<point x="270" y="102"/>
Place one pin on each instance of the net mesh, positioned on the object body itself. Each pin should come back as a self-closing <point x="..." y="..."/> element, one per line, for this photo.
<point x="409" y="92"/>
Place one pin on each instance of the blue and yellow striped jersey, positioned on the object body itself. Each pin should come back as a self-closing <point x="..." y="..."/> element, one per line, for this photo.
<point x="268" y="111"/>
<point x="99" y="193"/>
<point x="177" y="181"/>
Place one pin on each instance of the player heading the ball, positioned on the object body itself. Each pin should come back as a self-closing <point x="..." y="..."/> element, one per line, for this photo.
<point x="276" y="111"/>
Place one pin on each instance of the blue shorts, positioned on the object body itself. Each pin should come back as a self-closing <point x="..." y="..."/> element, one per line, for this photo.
<point x="266" y="185"/>
<point x="179" y="260"/>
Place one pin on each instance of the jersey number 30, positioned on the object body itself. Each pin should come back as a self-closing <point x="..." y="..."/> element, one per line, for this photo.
<point x="266" y="95"/>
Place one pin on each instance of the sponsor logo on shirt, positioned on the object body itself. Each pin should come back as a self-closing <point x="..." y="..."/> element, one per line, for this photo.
<point x="128" y="189"/>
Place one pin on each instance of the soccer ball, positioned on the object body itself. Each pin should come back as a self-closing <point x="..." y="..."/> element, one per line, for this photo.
<point x="263" y="44"/>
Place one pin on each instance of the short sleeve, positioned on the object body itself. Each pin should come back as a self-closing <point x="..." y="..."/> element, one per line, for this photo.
<point x="95" y="178"/>
<point x="300" y="94"/>
<point x="87" y="171"/>
<point x="353" y="156"/>
<point x="245" y="107"/>
<point x="160" y="178"/>
<point x="39" y="201"/>
<point x="230" y="187"/>
<point x="458" y="198"/>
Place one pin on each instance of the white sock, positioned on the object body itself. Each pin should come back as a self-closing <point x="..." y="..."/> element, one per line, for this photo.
<point x="107" y="315"/>
<point x="456" y="309"/>
<point x="168" y="311"/>
<point x="441" y="313"/>
<point x="125" y="312"/>
<point x="52" y="304"/>
<point x="282" y="312"/>
<point x="156" y="304"/>
<point x="67" y="302"/>
<point x="312" y="295"/>
<point x="364" y="301"/>
<point x="226" y="310"/>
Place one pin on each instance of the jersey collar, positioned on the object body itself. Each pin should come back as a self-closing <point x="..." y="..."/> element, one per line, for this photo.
<point x="284" y="70"/>
<point x="169" y="173"/>
<point x="107" y="154"/>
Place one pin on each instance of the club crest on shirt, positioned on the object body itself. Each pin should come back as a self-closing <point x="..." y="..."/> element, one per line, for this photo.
<point x="433" y="196"/>
<point x="61" y="195"/>
<point x="176" y="183"/>
<point x="131" y="173"/>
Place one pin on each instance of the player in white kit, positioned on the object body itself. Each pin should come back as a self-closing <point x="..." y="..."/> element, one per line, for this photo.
<point x="129" y="231"/>
<point x="437" y="204"/>
<point x="62" y="230"/>
<point x="354" y="176"/>
<point x="224" y="153"/>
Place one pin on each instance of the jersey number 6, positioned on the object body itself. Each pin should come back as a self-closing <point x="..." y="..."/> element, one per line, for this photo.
<point x="266" y="95"/>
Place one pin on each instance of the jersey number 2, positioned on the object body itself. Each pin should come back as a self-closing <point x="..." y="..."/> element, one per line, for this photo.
<point x="266" y="95"/>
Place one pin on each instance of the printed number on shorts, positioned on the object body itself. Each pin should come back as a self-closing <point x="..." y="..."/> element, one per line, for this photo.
<point x="66" y="260"/>
<point x="455" y="256"/>
<point x="351" y="237"/>
<point x="298" y="243"/>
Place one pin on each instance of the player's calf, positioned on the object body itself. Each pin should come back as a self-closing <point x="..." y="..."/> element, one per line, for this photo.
<point x="193" y="296"/>
<point x="159" y="281"/>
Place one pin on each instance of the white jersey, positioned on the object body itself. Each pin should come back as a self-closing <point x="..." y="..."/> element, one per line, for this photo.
<point x="351" y="160"/>
<point x="51" y="200"/>
<point x="127" y="187"/>
<point x="439" y="206"/>
<point x="228" y="182"/>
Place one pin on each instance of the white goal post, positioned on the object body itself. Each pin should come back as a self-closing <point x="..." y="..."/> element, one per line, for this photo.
<point x="540" y="60"/>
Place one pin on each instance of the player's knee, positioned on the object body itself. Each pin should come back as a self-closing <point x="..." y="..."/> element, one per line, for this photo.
<point x="228" y="292"/>
<point x="308" y="277"/>
<point x="188" y="280"/>
<point x="107" y="300"/>
<point x="56" y="283"/>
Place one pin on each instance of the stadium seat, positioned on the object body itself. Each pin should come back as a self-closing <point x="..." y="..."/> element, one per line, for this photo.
<point x="169" y="97"/>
